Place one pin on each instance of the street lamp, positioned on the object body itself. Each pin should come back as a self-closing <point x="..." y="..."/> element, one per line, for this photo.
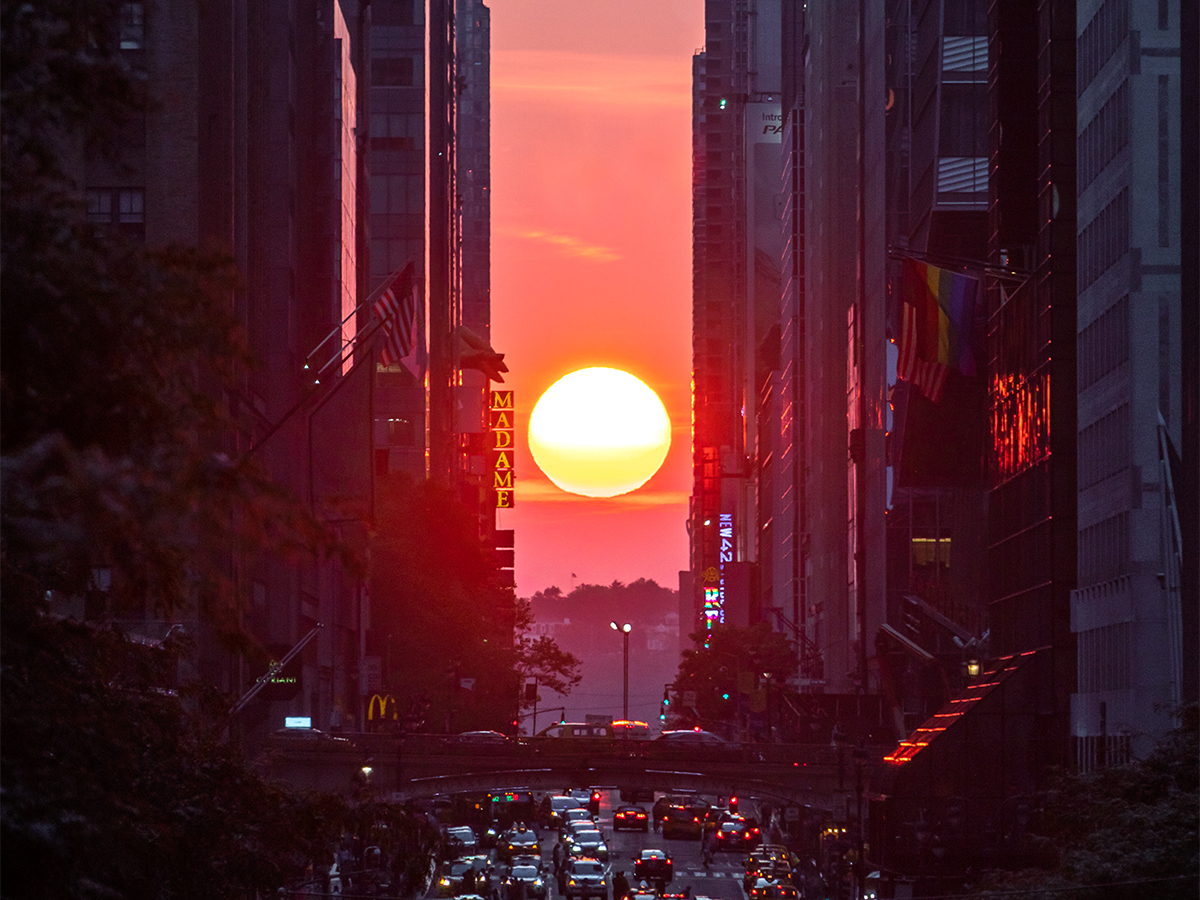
<point x="624" y="629"/>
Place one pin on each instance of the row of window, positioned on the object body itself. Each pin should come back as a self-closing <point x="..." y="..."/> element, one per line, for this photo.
<point x="1100" y="39"/>
<point x="1104" y="447"/>
<point x="1104" y="658"/>
<point x="1104" y="550"/>
<point x="1104" y="344"/>
<point x="1104" y="137"/>
<point x="1104" y="241"/>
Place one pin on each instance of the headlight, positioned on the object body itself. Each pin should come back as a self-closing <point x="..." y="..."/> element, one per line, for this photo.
<point x="603" y="848"/>
<point x="445" y="882"/>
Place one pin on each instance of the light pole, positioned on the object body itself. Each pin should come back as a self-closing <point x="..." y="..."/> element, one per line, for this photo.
<point x="624" y="629"/>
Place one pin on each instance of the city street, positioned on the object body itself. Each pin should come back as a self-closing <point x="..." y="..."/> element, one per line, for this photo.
<point x="722" y="882"/>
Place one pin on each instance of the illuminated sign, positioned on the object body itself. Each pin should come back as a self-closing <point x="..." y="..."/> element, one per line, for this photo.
<point x="714" y="597"/>
<point x="503" y="450"/>
<point x="382" y="706"/>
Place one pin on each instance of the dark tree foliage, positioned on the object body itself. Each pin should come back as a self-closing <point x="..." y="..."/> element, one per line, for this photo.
<point x="113" y="363"/>
<point x="1121" y="832"/>
<point x="440" y="615"/>
<point x="642" y="602"/>
<point x="112" y="790"/>
<point x="723" y="667"/>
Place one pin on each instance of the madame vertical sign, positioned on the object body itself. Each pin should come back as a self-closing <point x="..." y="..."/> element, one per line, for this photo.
<point x="503" y="448"/>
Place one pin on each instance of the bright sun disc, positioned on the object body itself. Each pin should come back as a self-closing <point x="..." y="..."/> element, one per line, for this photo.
<point x="599" y="432"/>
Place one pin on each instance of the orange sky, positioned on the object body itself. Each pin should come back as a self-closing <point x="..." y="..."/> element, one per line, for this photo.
<point x="591" y="258"/>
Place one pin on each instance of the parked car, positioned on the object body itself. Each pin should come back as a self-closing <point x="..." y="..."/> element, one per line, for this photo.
<point x="585" y="878"/>
<point x="652" y="866"/>
<point x="631" y="818"/>
<point x="531" y="877"/>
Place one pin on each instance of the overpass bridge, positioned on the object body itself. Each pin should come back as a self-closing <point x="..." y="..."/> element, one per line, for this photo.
<point x="406" y="767"/>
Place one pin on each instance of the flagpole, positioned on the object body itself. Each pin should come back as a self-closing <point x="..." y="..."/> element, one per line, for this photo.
<point x="959" y="263"/>
<point x="335" y="359"/>
<point x="371" y="298"/>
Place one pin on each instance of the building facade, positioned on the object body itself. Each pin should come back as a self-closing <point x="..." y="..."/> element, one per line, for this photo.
<point x="1127" y="612"/>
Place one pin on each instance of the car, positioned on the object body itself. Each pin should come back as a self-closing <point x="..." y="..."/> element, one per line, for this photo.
<point x="585" y="878"/>
<point x="308" y="735"/>
<point x="772" y="889"/>
<point x="535" y="861"/>
<point x="530" y="877"/>
<point x="653" y="865"/>
<point x="483" y="737"/>
<point x="684" y="820"/>
<point x="451" y="882"/>
<point x="573" y="828"/>
<point x="691" y="736"/>
<point x="578" y="814"/>
<point x="737" y="833"/>
<point x="588" y="843"/>
<point x="632" y="818"/>
<point x="630" y="728"/>
<point x="577" y="730"/>
<point x="554" y="806"/>
<point x="519" y="841"/>
<point x="460" y="841"/>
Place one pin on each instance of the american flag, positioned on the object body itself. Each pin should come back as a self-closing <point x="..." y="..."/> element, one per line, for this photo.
<point x="398" y="310"/>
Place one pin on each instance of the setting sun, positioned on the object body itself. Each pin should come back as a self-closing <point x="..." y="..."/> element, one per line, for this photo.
<point x="599" y="432"/>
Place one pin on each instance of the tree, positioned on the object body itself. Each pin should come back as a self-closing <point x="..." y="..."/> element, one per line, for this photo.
<point x="1121" y="831"/>
<point x="441" y="618"/>
<point x="725" y="669"/>
<point x="113" y="367"/>
<point x="643" y="602"/>
<point x="113" y="788"/>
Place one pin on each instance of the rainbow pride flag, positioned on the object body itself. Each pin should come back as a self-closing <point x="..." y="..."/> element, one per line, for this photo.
<point x="937" y="321"/>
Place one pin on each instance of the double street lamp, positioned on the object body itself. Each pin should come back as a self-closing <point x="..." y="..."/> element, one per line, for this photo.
<point x="624" y="629"/>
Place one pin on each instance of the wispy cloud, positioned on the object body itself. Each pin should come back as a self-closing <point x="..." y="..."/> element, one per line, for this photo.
<point x="572" y="246"/>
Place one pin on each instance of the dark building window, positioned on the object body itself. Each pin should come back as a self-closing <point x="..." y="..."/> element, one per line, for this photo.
<point x="1104" y="549"/>
<point x="122" y="208"/>
<point x="393" y="12"/>
<point x="1104" y="447"/>
<point x="1104" y="344"/>
<point x="1104" y="136"/>
<point x="392" y="72"/>
<point x="1100" y="40"/>
<point x="132" y="33"/>
<point x="964" y="124"/>
<point x="1104" y="241"/>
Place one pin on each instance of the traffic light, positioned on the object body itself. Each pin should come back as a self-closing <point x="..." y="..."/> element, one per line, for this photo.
<point x="733" y="804"/>
<point x="666" y="701"/>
